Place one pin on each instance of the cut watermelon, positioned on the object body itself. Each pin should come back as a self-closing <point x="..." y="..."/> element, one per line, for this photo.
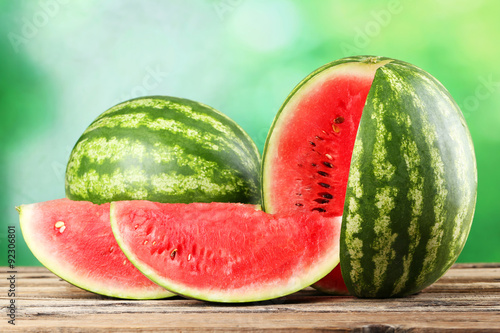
<point x="310" y="144"/>
<point x="382" y="143"/>
<point x="74" y="240"/>
<point x="225" y="252"/>
<point x="311" y="141"/>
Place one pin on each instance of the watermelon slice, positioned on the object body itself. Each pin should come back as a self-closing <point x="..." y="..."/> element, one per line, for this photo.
<point x="226" y="252"/>
<point x="74" y="240"/>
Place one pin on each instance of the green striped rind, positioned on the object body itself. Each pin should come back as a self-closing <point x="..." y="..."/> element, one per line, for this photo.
<point x="412" y="186"/>
<point x="164" y="149"/>
<point x="273" y="130"/>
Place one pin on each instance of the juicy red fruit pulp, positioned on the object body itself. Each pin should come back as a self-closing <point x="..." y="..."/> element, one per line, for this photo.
<point x="312" y="146"/>
<point x="74" y="240"/>
<point x="318" y="151"/>
<point x="225" y="252"/>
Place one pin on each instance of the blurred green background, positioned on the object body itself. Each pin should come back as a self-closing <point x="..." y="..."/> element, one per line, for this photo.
<point x="62" y="63"/>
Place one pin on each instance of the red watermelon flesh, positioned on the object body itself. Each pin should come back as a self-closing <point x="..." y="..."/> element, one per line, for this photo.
<point x="74" y="240"/>
<point x="324" y="158"/>
<point x="226" y="252"/>
<point x="333" y="283"/>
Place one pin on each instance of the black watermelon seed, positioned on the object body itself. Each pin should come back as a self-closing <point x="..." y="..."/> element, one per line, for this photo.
<point x="322" y="201"/>
<point x="328" y="164"/>
<point x="326" y="195"/>
<point x="324" y="174"/>
<point x="321" y="210"/>
<point x="318" y="137"/>
<point x="325" y="185"/>
<point x="312" y="143"/>
<point x="298" y="204"/>
<point x="313" y="164"/>
<point x="339" y="120"/>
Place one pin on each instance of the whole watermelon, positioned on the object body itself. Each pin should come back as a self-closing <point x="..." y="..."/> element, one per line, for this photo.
<point x="164" y="149"/>
<point x="383" y="144"/>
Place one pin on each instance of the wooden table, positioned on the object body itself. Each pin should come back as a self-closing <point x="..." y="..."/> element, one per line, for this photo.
<point x="467" y="298"/>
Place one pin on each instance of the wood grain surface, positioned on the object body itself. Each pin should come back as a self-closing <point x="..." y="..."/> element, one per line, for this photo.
<point x="466" y="299"/>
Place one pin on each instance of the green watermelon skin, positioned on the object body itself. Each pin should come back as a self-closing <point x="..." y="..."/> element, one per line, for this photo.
<point x="409" y="208"/>
<point x="164" y="149"/>
<point x="404" y="181"/>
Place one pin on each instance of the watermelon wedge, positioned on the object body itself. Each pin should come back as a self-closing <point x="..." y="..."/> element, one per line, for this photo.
<point x="74" y="240"/>
<point x="225" y="252"/>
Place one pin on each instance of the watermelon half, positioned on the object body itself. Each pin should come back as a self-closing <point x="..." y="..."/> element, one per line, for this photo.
<point x="382" y="143"/>
<point x="74" y="240"/>
<point x="225" y="252"/>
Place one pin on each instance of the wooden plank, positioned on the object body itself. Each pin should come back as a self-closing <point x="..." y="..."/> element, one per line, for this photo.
<point x="323" y="321"/>
<point x="467" y="298"/>
<point x="260" y="322"/>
